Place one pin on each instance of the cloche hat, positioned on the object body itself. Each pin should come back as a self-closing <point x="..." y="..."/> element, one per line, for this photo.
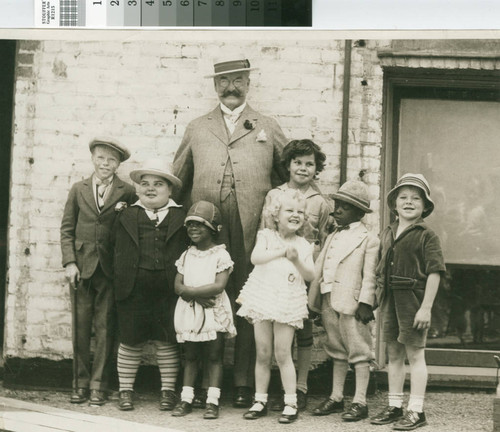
<point x="415" y="180"/>
<point x="206" y="213"/>
<point x="158" y="168"/>
<point x="355" y="193"/>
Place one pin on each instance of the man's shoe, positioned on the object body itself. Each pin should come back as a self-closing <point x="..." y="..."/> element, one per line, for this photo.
<point x="288" y="415"/>
<point x="181" y="409"/>
<point x="200" y="398"/>
<point x="242" y="397"/>
<point x="301" y="400"/>
<point x="79" y="396"/>
<point x="212" y="412"/>
<point x="168" y="400"/>
<point x="411" y="420"/>
<point x="125" y="402"/>
<point x="255" y="414"/>
<point x="328" y="406"/>
<point x="97" y="397"/>
<point x="355" y="413"/>
<point x="389" y="415"/>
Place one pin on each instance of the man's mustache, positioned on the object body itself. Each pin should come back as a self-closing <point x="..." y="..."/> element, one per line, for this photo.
<point x="234" y="93"/>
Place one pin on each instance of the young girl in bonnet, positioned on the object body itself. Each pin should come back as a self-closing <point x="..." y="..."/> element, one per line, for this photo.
<point x="203" y="315"/>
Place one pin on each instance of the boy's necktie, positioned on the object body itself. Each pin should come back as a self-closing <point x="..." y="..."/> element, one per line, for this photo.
<point x="101" y="188"/>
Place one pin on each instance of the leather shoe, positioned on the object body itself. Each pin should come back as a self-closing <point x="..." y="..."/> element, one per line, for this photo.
<point x="289" y="418"/>
<point x="79" y="395"/>
<point x="253" y="415"/>
<point x="356" y="412"/>
<point x="388" y="415"/>
<point x="97" y="397"/>
<point x="181" y="409"/>
<point x="411" y="420"/>
<point x="168" y="400"/>
<point x="212" y="411"/>
<point x="242" y="397"/>
<point x="328" y="406"/>
<point x="125" y="402"/>
<point x="200" y="398"/>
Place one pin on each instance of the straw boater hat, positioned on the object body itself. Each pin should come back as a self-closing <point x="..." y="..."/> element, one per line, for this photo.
<point x="355" y="193"/>
<point x="415" y="180"/>
<point x="158" y="168"/>
<point x="206" y="213"/>
<point x="113" y="144"/>
<point x="230" y="65"/>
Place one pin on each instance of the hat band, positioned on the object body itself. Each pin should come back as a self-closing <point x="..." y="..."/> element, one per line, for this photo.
<point x="354" y="198"/>
<point x="415" y="181"/>
<point x="231" y="66"/>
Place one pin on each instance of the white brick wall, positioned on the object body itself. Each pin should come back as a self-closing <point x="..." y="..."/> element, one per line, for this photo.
<point x="144" y="93"/>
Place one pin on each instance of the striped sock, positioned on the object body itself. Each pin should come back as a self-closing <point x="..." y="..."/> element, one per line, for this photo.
<point x="129" y="359"/>
<point x="167" y="356"/>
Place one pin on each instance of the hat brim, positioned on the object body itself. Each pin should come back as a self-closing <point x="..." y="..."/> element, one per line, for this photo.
<point x="231" y="71"/>
<point x="124" y="153"/>
<point x="136" y="176"/>
<point x="353" y="202"/>
<point x="391" y="198"/>
<point x="201" y="220"/>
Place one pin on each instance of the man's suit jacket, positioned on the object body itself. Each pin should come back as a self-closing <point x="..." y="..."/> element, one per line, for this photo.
<point x="255" y="155"/>
<point x="86" y="232"/>
<point x="352" y="272"/>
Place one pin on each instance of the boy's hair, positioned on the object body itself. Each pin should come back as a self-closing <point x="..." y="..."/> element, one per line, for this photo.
<point x="292" y="194"/>
<point x="303" y="147"/>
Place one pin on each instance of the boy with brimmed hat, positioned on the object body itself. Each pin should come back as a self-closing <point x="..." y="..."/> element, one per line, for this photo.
<point x="148" y="238"/>
<point x="86" y="227"/>
<point x="343" y="291"/>
<point x="408" y="278"/>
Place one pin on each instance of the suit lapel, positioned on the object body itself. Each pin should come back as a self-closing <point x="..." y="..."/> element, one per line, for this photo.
<point x="353" y="241"/>
<point x="217" y="126"/>
<point x="175" y="220"/>
<point x="88" y="194"/>
<point x="240" y="131"/>
<point x="129" y="220"/>
<point x="115" y="193"/>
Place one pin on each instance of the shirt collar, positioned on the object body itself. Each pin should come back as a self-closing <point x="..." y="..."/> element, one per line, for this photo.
<point x="171" y="203"/>
<point x="308" y="193"/>
<point x="97" y="181"/>
<point x="236" y="112"/>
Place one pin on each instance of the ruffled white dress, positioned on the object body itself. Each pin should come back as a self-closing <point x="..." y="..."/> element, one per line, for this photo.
<point x="276" y="291"/>
<point x="193" y="322"/>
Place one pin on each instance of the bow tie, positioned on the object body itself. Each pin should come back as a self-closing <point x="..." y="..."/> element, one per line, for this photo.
<point x="105" y="182"/>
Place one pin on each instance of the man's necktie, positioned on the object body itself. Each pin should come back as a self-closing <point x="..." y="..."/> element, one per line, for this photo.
<point x="101" y="188"/>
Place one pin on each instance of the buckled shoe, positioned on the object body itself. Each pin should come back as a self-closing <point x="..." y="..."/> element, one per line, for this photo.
<point x="255" y="414"/>
<point x="289" y="418"/>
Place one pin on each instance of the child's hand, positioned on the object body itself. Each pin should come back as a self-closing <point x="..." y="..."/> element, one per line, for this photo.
<point x="208" y="302"/>
<point x="364" y="313"/>
<point x="292" y="254"/>
<point x="422" y="319"/>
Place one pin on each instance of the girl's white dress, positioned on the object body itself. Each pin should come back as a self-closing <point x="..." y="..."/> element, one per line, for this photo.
<point x="192" y="322"/>
<point x="276" y="291"/>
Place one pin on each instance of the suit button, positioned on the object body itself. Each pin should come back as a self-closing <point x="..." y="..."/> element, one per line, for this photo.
<point x="218" y="182"/>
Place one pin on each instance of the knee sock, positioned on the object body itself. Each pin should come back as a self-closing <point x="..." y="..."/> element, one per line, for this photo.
<point x="213" y="395"/>
<point x="340" y="368"/>
<point x="259" y="397"/>
<point x="416" y="403"/>
<point x="362" y="370"/>
<point x="187" y="394"/>
<point x="129" y="359"/>
<point x="396" y="400"/>
<point x="167" y="356"/>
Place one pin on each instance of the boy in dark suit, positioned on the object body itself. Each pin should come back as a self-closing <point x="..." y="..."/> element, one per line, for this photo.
<point x="86" y="226"/>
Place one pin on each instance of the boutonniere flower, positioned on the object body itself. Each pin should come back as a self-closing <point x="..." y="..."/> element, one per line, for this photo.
<point x="261" y="136"/>
<point x="120" y="206"/>
<point x="248" y="125"/>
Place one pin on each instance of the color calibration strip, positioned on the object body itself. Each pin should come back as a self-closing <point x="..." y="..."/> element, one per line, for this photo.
<point x="173" y="13"/>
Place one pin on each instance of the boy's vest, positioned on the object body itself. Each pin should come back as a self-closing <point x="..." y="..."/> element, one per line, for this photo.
<point x="152" y="242"/>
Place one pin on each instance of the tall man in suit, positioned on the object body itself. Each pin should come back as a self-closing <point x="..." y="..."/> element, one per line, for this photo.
<point x="86" y="226"/>
<point x="231" y="157"/>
